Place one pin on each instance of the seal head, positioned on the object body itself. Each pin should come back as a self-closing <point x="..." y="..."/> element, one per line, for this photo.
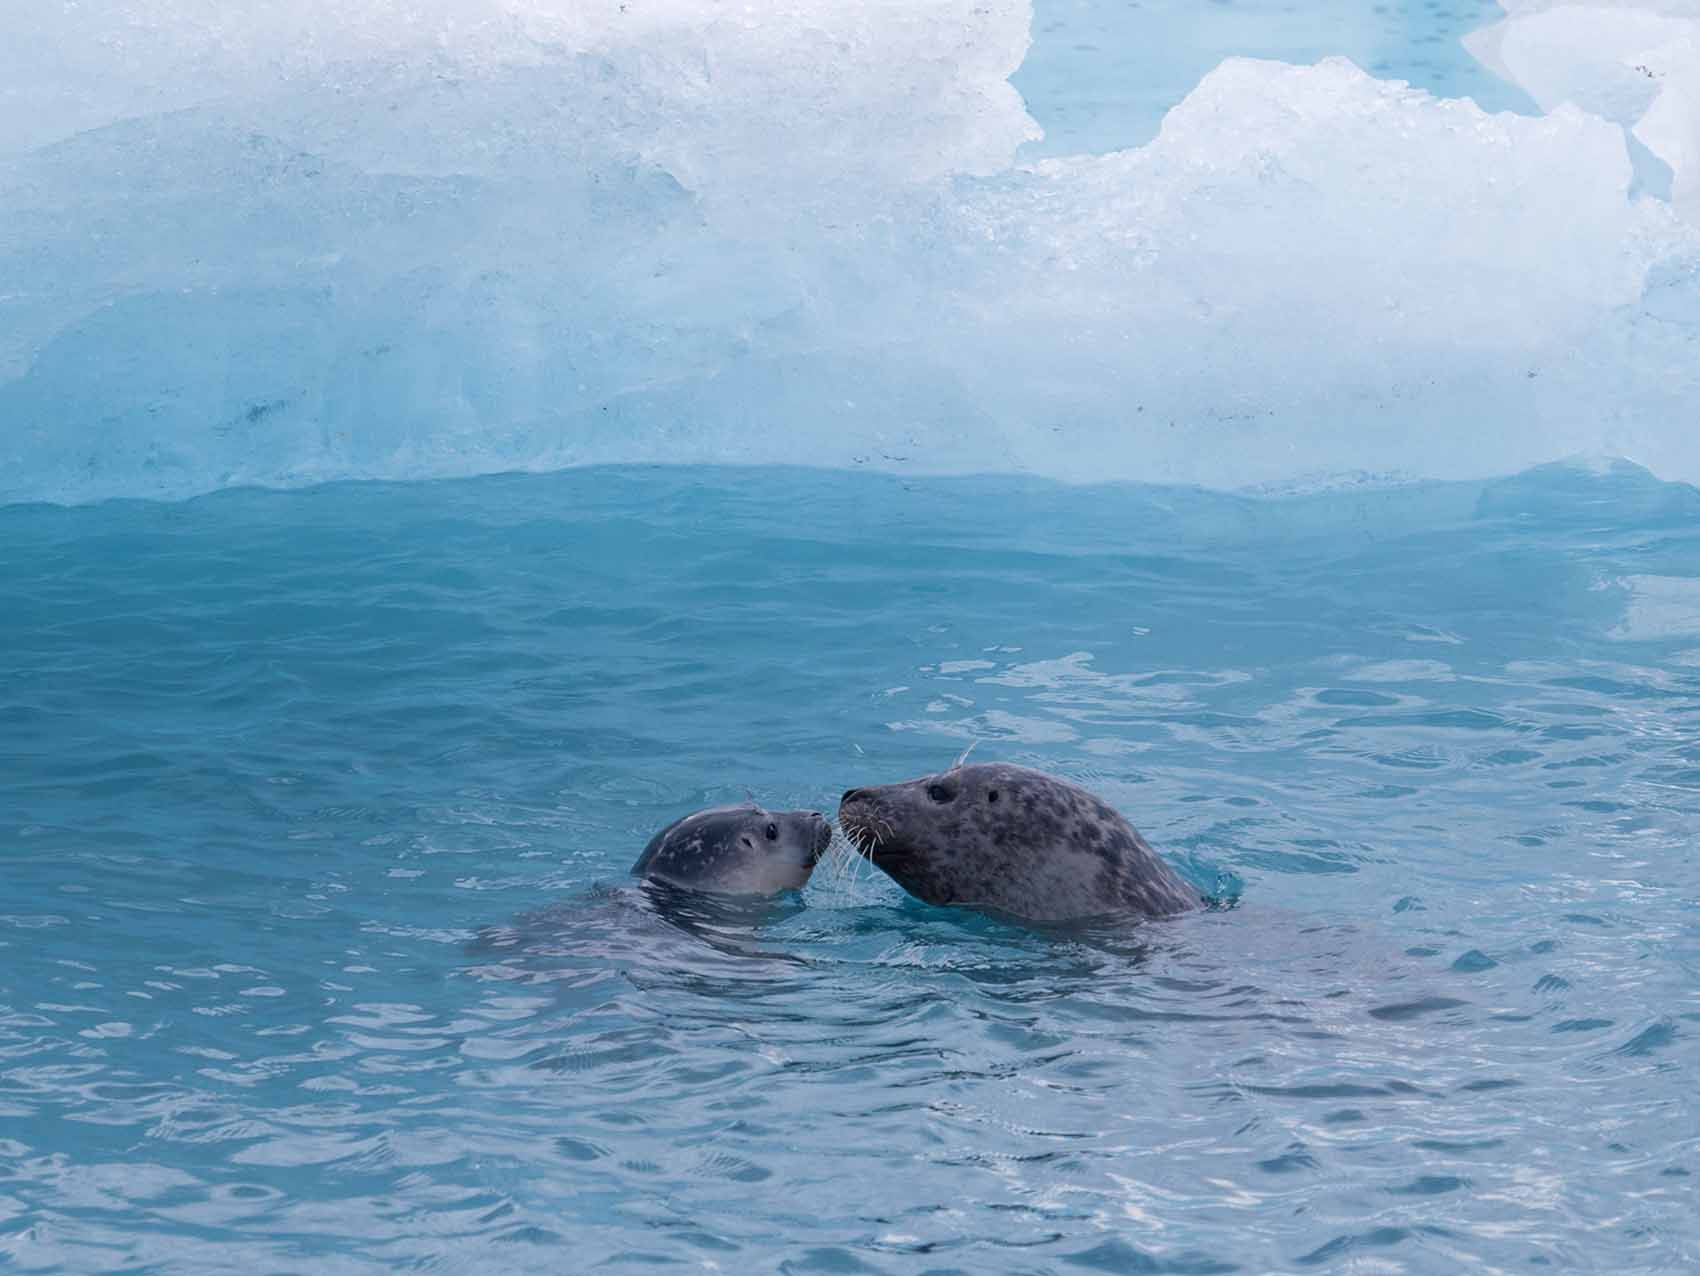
<point x="1008" y="839"/>
<point x="737" y="850"/>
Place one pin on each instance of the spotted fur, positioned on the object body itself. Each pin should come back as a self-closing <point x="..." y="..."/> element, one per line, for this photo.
<point x="1011" y="840"/>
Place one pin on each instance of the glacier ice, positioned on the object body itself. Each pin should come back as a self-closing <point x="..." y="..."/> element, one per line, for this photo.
<point x="440" y="237"/>
<point x="1101" y="75"/>
<point x="1636" y="64"/>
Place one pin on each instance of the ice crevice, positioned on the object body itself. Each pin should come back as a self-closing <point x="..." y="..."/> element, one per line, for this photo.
<point x="417" y="238"/>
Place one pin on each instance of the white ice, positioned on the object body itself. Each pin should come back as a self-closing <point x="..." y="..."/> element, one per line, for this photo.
<point x="401" y="238"/>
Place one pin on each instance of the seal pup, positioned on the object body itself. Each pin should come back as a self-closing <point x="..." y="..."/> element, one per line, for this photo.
<point x="1008" y="839"/>
<point x="736" y="850"/>
<point x="713" y="875"/>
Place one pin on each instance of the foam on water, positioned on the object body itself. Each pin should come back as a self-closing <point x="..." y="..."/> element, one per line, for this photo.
<point x="413" y="239"/>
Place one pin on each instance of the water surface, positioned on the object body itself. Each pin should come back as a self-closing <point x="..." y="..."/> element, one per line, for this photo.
<point x="269" y="763"/>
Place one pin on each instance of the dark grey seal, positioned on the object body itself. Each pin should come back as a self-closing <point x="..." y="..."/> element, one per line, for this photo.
<point x="737" y="850"/>
<point x="1011" y="840"/>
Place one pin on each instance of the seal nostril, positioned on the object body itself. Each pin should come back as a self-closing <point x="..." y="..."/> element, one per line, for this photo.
<point x="851" y="793"/>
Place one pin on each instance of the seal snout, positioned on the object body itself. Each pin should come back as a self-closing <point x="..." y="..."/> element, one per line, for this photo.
<point x="820" y="834"/>
<point x="854" y="807"/>
<point x="856" y="816"/>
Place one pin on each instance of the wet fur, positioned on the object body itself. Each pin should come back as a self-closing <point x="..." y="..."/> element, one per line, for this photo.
<point x="726" y="850"/>
<point x="1044" y="850"/>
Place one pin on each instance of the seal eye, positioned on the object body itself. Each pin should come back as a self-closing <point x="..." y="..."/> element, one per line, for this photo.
<point x="938" y="793"/>
<point x="773" y="832"/>
<point x="991" y="795"/>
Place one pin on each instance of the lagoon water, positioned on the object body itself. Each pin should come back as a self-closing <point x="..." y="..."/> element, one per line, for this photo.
<point x="274" y="761"/>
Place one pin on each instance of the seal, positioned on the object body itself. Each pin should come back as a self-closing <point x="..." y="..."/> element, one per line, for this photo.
<point x="712" y="877"/>
<point x="1008" y="839"/>
<point x="736" y="850"/>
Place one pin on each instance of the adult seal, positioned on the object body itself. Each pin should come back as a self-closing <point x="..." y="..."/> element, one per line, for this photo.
<point x="1011" y="840"/>
<point x="737" y="850"/>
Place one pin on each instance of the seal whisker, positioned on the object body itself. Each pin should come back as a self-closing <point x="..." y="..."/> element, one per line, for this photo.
<point x="847" y="867"/>
<point x="850" y="863"/>
<point x="871" y="845"/>
<point x="866" y="840"/>
<point x="832" y="857"/>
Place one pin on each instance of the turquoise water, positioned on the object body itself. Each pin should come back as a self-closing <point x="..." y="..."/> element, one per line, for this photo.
<point x="272" y="763"/>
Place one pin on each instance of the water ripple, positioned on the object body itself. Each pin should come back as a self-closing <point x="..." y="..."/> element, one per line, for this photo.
<point x="304" y="963"/>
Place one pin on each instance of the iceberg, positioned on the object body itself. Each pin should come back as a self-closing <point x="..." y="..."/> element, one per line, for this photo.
<point x="1635" y="64"/>
<point x="422" y="238"/>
